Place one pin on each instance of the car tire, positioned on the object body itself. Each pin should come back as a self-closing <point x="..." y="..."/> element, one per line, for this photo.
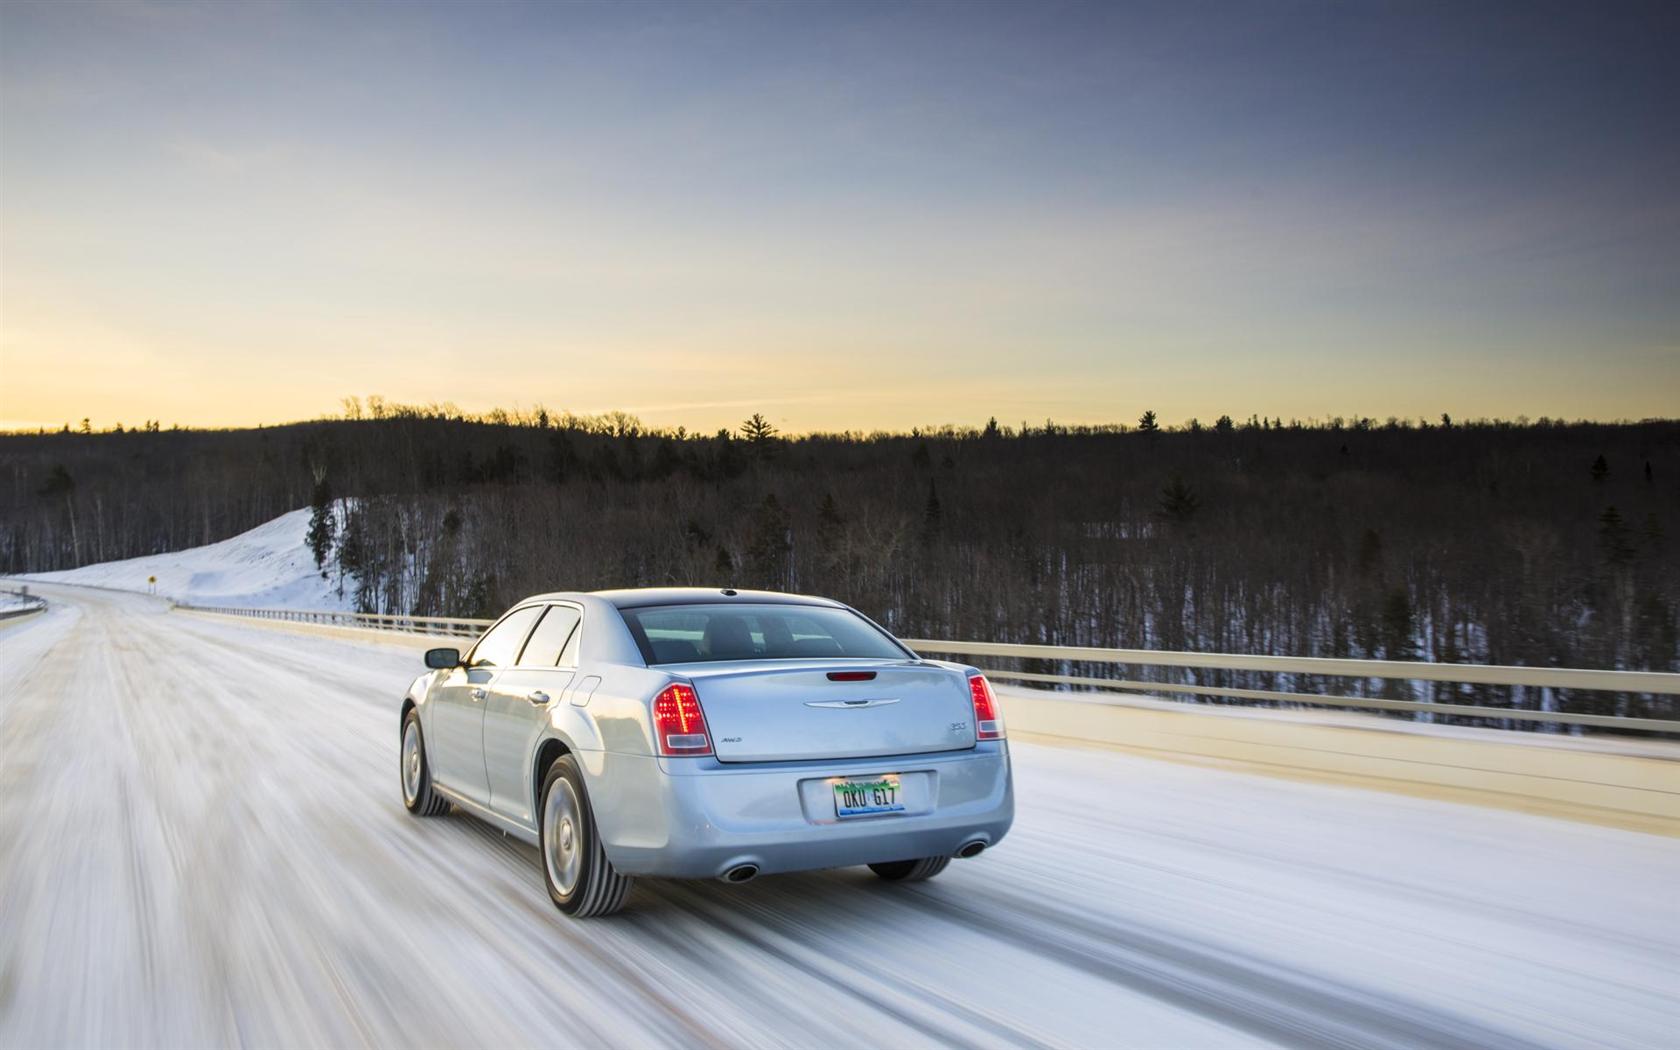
<point x="910" y="870"/>
<point x="415" y="774"/>
<point x="581" y="880"/>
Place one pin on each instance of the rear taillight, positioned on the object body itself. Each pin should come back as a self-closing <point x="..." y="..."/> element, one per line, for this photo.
<point x="679" y="725"/>
<point x="988" y="721"/>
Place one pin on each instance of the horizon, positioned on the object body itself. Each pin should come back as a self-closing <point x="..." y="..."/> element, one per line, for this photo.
<point x="842" y="216"/>
<point x="541" y="416"/>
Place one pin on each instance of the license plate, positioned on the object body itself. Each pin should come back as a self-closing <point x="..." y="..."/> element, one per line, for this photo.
<point x="861" y="796"/>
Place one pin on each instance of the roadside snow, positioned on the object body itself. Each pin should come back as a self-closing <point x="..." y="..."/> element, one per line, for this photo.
<point x="268" y="566"/>
<point x="202" y="843"/>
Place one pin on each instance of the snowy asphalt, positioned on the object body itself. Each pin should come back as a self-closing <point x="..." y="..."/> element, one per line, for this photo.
<point x="202" y="843"/>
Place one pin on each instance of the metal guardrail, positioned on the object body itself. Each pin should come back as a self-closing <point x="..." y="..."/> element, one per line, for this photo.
<point x="1638" y="682"/>
<point x="1643" y="682"/>
<point x="1482" y="674"/>
<point x="452" y="626"/>
<point x="32" y="603"/>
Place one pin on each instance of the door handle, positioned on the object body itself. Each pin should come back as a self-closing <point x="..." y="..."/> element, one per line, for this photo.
<point x="538" y="697"/>
<point x="478" y="694"/>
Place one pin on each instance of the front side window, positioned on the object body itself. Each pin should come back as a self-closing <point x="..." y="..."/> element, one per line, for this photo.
<point x="499" y="647"/>
<point x="678" y="634"/>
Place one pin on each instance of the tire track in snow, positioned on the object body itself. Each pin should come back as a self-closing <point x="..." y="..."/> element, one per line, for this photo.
<point x="226" y="797"/>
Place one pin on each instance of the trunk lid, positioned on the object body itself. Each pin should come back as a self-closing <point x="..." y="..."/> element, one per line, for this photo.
<point x="782" y="711"/>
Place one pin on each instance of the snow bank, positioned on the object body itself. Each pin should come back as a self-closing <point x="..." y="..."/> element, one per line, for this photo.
<point x="269" y="566"/>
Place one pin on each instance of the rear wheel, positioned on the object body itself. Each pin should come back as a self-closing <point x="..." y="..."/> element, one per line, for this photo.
<point x="581" y="880"/>
<point x="417" y="791"/>
<point x="910" y="870"/>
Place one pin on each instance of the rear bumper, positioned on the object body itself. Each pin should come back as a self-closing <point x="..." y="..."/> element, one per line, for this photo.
<point x="697" y="817"/>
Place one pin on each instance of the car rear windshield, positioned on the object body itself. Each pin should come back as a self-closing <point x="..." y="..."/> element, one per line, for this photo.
<point x="683" y="634"/>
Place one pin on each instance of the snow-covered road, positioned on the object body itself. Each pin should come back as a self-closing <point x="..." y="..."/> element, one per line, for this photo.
<point x="201" y="843"/>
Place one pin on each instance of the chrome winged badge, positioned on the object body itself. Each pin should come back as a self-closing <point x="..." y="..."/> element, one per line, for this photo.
<point x="849" y="703"/>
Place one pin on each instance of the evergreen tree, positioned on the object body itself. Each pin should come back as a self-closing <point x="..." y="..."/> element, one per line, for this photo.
<point x="933" y="516"/>
<point x="480" y="597"/>
<point x="321" y="524"/>
<point x="58" y="483"/>
<point x="666" y="460"/>
<point x="771" y="543"/>
<point x="921" y="459"/>
<point x="355" y="553"/>
<point x="1179" y="502"/>
<point x="1224" y="425"/>
<point x="1600" y="468"/>
<point x="830" y="522"/>
<point x="760" y="436"/>
<point x="1147" y="423"/>
<point x="729" y="462"/>
<point x="1613" y="537"/>
<point x="833" y="555"/>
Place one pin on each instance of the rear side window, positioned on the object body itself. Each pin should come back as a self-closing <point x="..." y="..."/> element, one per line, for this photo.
<point x="680" y="634"/>
<point x="557" y="625"/>
<point x="502" y="643"/>
<point x="569" y="655"/>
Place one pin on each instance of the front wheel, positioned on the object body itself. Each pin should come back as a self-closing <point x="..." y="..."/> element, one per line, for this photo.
<point x="910" y="870"/>
<point x="581" y="880"/>
<point x="417" y="791"/>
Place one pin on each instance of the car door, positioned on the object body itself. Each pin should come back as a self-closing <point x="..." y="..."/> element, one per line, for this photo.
<point x="455" y="739"/>
<point x="518" y="709"/>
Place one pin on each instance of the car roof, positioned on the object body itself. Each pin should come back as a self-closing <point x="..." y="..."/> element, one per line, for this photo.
<point x="631" y="598"/>
<point x="637" y="597"/>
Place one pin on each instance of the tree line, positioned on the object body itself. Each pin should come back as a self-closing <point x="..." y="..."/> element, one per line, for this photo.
<point x="1542" y="543"/>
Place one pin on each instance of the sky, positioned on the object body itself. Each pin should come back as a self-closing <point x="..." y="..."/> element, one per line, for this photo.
<point x="850" y="216"/>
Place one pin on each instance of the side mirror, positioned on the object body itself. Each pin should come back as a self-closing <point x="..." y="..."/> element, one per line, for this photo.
<point x="443" y="659"/>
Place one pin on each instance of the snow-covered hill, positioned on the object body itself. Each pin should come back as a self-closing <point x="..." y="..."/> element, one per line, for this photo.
<point x="267" y="566"/>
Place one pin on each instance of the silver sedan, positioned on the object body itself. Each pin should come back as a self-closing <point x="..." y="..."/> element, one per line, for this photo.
<point x="693" y="733"/>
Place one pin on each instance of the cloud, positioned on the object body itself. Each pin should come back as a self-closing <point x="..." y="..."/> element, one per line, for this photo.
<point x="226" y="159"/>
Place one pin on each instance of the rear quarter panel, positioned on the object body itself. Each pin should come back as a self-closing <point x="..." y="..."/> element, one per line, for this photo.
<point x="611" y="738"/>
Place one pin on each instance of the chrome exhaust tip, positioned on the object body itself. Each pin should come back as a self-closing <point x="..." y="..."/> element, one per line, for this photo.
<point x="971" y="849"/>
<point x="741" y="873"/>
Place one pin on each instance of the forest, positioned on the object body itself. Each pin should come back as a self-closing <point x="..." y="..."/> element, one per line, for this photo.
<point x="1542" y="543"/>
